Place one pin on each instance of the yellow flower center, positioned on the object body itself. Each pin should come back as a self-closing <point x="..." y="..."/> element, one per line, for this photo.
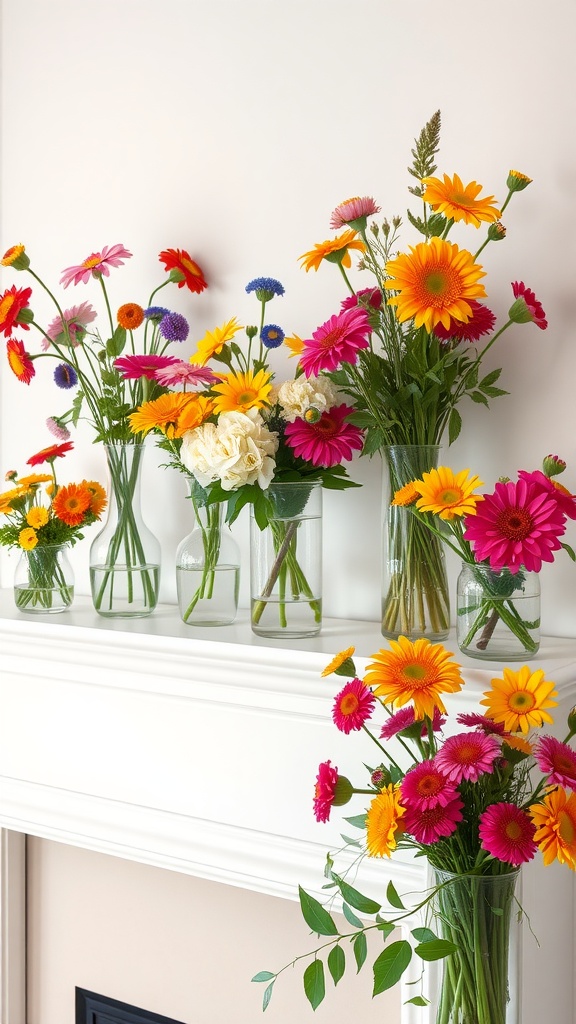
<point x="92" y="261"/>
<point x="521" y="702"/>
<point x="349" y="704"/>
<point x="16" y="362"/>
<point x="566" y="829"/>
<point x="5" y="306"/>
<point x="513" y="830"/>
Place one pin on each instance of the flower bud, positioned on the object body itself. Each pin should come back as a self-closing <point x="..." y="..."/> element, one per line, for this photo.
<point x="16" y="258"/>
<point x="517" y="181"/>
<point x="251" y="332"/>
<point x="572" y="722"/>
<point x="553" y="465"/>
<point x="312" y="415"/>
<point x="380" y="777"/>
<point x="496" y="231"/>
<point x="11" y="474"/>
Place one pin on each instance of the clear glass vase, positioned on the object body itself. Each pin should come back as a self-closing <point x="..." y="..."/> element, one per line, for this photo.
<point x="286" y="563"/>
<point x="479" y="982"/>
<point x="208" y="569"/>
<point x="125" y="556"/>
<point x="415" y="594"/>
<point x="44" y="580"/>
<point x="497" y="613"/>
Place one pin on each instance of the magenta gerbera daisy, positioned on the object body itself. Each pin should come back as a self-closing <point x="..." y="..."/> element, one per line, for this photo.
<point x="325" y="790"/>
<point x="95" y="265"/>
<point x="481" y="322"/>
<point x="526" y="308"/>
<point x="353" y="212"/>
<point x="554" y="489"/>
<point x="507" y="833"/>
<point x="336" y="341"/>
<point x="557" y="760"/>
<point x="365" y="297"/>
<point x="353" y="706"/>
<point x="180" y="372"/>
<point x="474" y="720"/>
<point x="404" y="718"/>
<point x="467" y="756"/>
<point x="518" y="525"/>
<point x="328" y="441"/>
<point x="425" y="786"/>
<point x="433" y="823"/>
<point x="134" y="367"/>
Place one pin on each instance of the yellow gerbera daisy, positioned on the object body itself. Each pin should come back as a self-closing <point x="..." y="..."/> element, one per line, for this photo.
<point x="239" y="392"/>
<point x="295" y="344"/>
<point x="447" y="494"/>
<point x="160" y="414"/>
<point x="98" y="499"/>
<point x="555" y="821"/>
<point x="194" y="413"/>
<point x="406" y="495"/>
<point x="384" y="822"/>
<point x="213" y="341"/>
<point x="37" y="516"/>
<point x="458" y="201"/>
<point x="8" y="497"/>
<point x="33" y="479"/>
<point x="518" y="743"/>
<point x="339" y="661"/>
<point x="335" y="250"/>
<point x="434" y="283"/>
<point x="28" y="538"/>
<point x="519" y="700"/>
<point x="418" y="671"/>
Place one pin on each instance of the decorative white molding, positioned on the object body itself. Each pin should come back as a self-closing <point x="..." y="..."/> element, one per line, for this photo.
<point x="193" y="750"/>
<point x="12" y="927"/>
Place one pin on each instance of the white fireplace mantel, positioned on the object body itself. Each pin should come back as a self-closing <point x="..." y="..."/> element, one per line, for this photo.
<point x="196" y="750"/>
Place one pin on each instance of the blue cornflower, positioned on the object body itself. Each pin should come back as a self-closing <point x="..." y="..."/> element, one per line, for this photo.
<point x="155" y="313"/>
<point x="65" y="376"/>
<point x="271" y="336"/>
<point x="265" y="287"/>
<point x="174" y="327"/>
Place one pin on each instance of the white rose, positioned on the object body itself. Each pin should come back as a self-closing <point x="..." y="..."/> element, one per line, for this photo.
<point x="297" y="396"/>
<point x="237" y="450"/>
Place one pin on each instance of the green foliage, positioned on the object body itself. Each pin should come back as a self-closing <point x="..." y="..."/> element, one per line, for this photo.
<point x="425" y="149"/>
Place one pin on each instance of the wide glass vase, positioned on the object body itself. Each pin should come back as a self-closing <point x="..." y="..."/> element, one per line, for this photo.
<point x="479" y="982"/>
<point x="415" y="594"/>
<point x="208" y="569"/>
<point x="286" y="563"/>
<point x="125" y="556"/>
<point x="497" y="613"/>
<point x="44" y="580"/>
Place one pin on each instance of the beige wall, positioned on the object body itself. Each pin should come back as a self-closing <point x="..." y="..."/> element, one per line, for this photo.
<point x="171" y="944"/>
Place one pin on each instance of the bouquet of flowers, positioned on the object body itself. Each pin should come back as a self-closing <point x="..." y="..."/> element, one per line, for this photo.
<point x="476" y="803"/>
<point x="501" y="536"/>
<point x="41" y="528"/>
<point x="408" y="348"/>
<point x="241" y="432"/>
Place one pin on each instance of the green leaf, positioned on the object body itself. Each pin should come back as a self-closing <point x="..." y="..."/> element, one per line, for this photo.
<point x="336" y="963"/>
<point x="267" y="996"/>
<point x="316" y="917"/>
<point x="386" y="927"/>
<point x="423" y="934"/>
<point x="393" y="897"/>
<point x="360" y="950"/>
<point x="357" y="899"/>
<point x="479" y="398"/>
<point x="349" y="841"/>
<point x="314" y="985"/>
<point x="328" y="866"/>
<point x="357" y="821"/>
<point x="115" y="344"/>
<point x="454" y="426"/>
<point x="263" y="976"/>
<point x="351" y="916"/>
<point x="435" y="950"/>
<point x="390" y="966"/>
<point x="417" y="1001"/>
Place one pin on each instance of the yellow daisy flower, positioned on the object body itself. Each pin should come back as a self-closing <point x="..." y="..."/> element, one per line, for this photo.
<point x="434" y="283"/>
<point x="8" y="497"/>
<point x="28" y="539"/>
<point x="98" y="499"/>
<point x="33" y="479"/>
<point x="295" y="344"/>
<point x="384" y="822"/>
<point x="335" y="250"/>
<point x="339" y="661"/>
<point x="447" y="494"/>
<point x="416" y="671"/>
<point x="406" y="495"/>
<point x="160" y="414"/>
<point x="459" y="202"/>
<point x="519" y="700"/>
<point x="555" y="821"/>
<point x="239" y="392"/>
<point x="37" y="516"/>
<point x="213" y="341"/>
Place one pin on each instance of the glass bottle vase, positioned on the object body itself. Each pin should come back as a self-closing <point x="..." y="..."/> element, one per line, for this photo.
<point x="286" y="562"/>
<point x="44" y="580"/>
<point x="125" y="556"/>
<point x="497" y="613"/>
<point x="208" y="569"/>
<point x="415" y="594"/>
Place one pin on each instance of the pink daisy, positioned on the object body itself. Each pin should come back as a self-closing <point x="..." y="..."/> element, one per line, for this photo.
<point x="57" y="428"/>
<point x="467" y="756"/>
<point x="474" y="720"/>
<point x="181" y="372"/>
<point x="353" y="211"/>
<point x="557" y="760"/>
<point x="337" y="341"/>
<point x="366" y="296"/>
<point x="328" y="441"/>
<point x="404" y="718"/>
<point x="554" y="489"/>
<point x="76" y="318"/>
<point x="134" y="367"/>
<point x="324" y="791"/>
<point x="507" y="833"/>
<point x="527" y="308"/>
<point x="95" y="265"/>
<point x="425" y="786"/>
<point x="481" y="322"/>
<point x="518" y="525"/>
<point x="353" y="706"/>
<point x="428" y="826"/>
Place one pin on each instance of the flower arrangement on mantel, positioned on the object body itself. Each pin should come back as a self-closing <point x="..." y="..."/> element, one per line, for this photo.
<point x="477" y="799"/>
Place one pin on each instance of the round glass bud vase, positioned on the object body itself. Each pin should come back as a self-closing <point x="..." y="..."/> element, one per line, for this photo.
<point x="497" y="613"/>
<point x="44" y="580"/>
<point x="208" y="570"/>
<point x="286" y="563"/>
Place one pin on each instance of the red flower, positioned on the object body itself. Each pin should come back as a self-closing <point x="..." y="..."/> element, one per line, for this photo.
<point x="527" y="307"/>
<point x="481" y="322"/>
<point x="12" y="302"/>
<point x="326" y="442"/>
<point x="55" y="451"/>
<point x="183" y="269"/>
<point x="20" y="362"/>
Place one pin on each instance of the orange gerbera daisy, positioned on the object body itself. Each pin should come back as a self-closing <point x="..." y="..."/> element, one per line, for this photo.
<point x="160" y="414"/>
<point x="434" y="283"/>
<point x="418" y="671"/>
<point x="130" y="316"/>
<point x="459" y="202"/>
<point x="447" y="494"/>
<point x="16" y="257"/>
<point x="20" y="361"/>
<point x="406" y="495"/>
<point x="98" y="499"/>
<point x="384" y="822"/>
<point x="335" y="250"/>
<point x="71" y="503"/>
<point x="213" y="341"/>
<point x="519" y="700"/>
<point x="342" y="660"/>
<point x="193" y="414"/>
<point x="183" y="269"/>
<point x="239" y="392"/>
<point x="555" y="821"/>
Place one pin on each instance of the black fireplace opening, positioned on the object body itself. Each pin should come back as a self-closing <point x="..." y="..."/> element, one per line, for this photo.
<point x="92" y="1008"/>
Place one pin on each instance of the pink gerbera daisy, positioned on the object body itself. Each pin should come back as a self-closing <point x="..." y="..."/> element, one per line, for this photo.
<point x="353" y="706"/>
<point x="467" y="756"/>
<point x="76" y="319"/>
<point x="518" y="525"/>
<point x="474" y="720"/>
<point x="371" y="297"/>
<point x="337" y="341"/>
<point x="507" y="833"/>
<point x="557" y="760"/>
<point x="425" y="786"/>
<point x="404" y="718"/>
<point x="481" y="322"/>
<point x="325" y="790"/>
<point x="554" y="489"/>
<point x="429" y="825"/>
<point x="353" y="212"/>
<point x="526" y="308"/>
<point x="134" y="367"/>
<point x="328" y="441"/>
<point x="181" y="372"/>
<point x="96" y="265"/>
